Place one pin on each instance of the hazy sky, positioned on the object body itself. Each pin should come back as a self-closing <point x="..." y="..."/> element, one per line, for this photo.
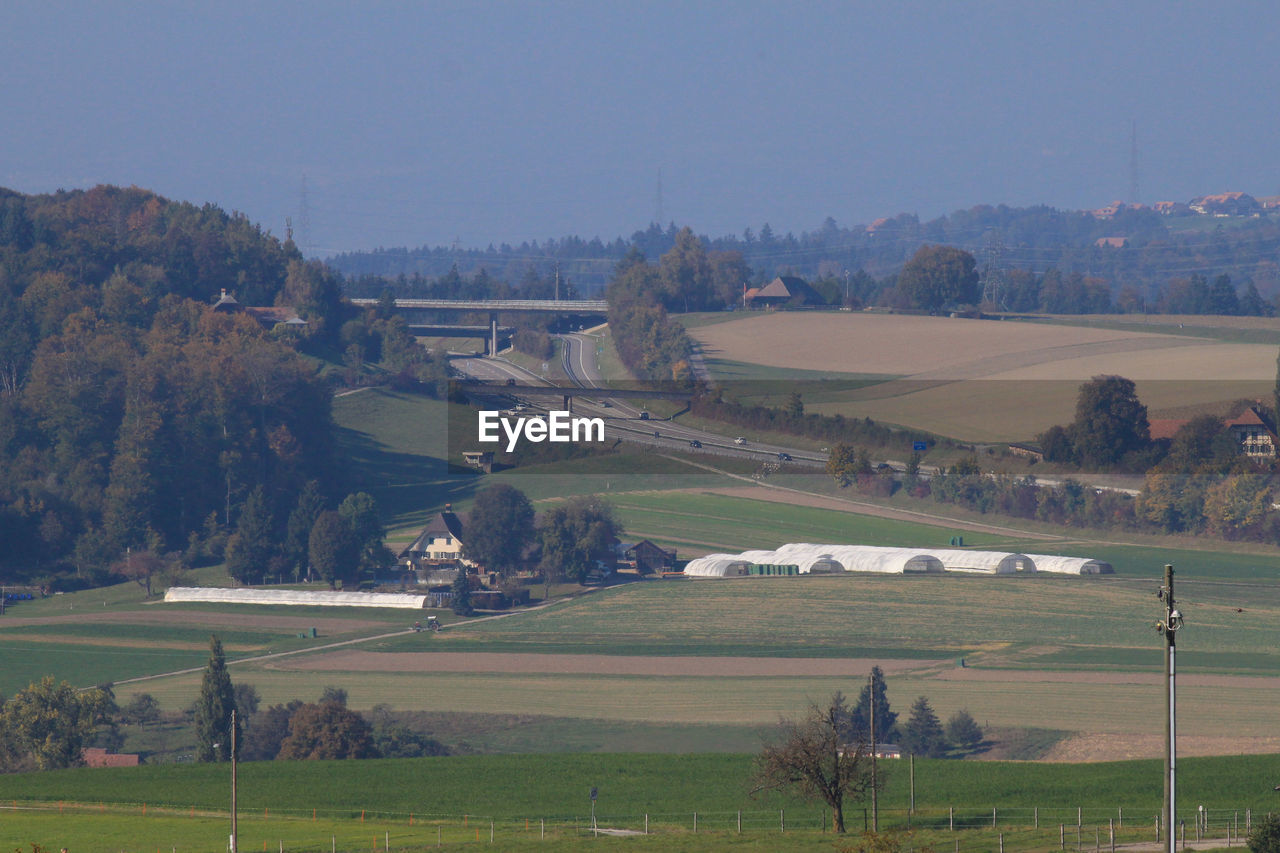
<point x="422" y="123"/>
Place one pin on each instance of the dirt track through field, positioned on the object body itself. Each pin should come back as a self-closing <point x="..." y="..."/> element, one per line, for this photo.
<point x="572" y="664"/>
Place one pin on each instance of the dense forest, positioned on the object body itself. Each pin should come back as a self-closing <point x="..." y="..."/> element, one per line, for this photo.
<point x="136" y="422"/>
<point x="1012" y="245"/>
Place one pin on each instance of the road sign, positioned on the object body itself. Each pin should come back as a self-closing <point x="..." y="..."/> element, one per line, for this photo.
<point x="919" y="446"/>
<point x="593" y="794"/>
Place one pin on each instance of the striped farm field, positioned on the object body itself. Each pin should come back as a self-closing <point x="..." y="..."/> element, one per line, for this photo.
<point x="986" y="380"/>
<point x="1066" y="653"/>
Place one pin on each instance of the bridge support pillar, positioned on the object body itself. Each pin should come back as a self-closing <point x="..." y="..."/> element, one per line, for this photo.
<point x="493" y="333"/>
<point x="568" y="403"/>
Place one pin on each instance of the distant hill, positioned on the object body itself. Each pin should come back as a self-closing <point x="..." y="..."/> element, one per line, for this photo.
<point x="1120" y="244"/>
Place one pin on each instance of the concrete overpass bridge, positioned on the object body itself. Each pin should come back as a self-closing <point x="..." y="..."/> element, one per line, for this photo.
<point x="570" y="307"/>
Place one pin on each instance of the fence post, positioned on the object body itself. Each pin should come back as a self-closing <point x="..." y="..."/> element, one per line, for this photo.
<point x="695" y="823"/>
<point x="782" y="819"/>
<point x="1097" y="839"/>
<point x="739" y="821"/>
<point x="1248" y="821"/>
<point x="993" y="817"/>
<point x="1079" y="816"/>
<point x="542" y="826"/>
<point x="951" y="819"/>
<point x="1182" y="830"/>
<point x="1111" y="831"/>
<point x="646" y="823"/>
<point x="1036" y="815"/>
<point x="1121" y="813"/>
<point x="1062" y="836"/>
<point x="1002" y="842"/>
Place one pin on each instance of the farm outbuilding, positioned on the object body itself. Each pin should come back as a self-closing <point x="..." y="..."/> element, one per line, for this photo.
<point x="219" y="595"/>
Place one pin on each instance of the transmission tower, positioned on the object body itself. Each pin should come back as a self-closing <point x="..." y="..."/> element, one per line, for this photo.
<point x="658" y="212"/>
<point x="304" y="216"/>
<point x="993" y="274"/>
<point x="1133" y="161"/>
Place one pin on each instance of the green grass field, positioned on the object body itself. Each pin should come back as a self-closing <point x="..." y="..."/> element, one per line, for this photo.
<point x="459" y="801"/>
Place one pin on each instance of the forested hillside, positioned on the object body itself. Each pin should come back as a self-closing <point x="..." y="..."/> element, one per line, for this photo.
<point x="133" y="418"/>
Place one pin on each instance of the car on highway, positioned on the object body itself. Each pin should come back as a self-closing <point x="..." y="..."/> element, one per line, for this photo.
<point x="644" y="416"/>
<point x="784" y="457"/>
<point x="739" y="440"/>
<point x="695" y="443"/>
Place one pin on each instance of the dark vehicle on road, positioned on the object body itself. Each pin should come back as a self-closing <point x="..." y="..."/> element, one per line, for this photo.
<point x="695" y="443"/>
<point x="644" y="416"/>
<point x="784" y="457"/>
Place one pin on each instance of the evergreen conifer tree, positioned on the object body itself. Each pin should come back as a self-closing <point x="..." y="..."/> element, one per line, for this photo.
<point x="922" y="735"/>
<point x="213" y="708"/>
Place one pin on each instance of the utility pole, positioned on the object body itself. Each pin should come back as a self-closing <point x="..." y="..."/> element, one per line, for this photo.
<point x="875" y="800"/>
<point x="1169" y="627"/>
<point x="234" y="831"/>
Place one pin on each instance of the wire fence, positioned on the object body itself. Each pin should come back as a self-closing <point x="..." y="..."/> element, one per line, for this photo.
<point x="967" y="830"/>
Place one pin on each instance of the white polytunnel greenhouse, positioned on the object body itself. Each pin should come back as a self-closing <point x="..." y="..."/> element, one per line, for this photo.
<point x="802" y="558"/>
<point x="984" y="562"/>
<point x="1071" y="565"/>
<point x="295" y="596"/>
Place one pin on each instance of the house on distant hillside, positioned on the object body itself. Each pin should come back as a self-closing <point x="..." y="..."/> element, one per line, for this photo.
<point x="268" y="316"/>
<point x="1227" y="204"/>
<point x="783" y="290"/>
<point x="1251" y="434"/>
<point x="1255" y="439"/>
<point x="1111" y="242"/>
<point x="439" y="545"/>
<point x="1170" y="208"/>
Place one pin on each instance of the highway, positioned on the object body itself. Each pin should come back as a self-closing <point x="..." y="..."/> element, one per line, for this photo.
<point x="623" y="419"/>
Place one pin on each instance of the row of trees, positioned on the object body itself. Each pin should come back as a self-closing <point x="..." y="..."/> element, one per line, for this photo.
<point x="338" y="545"/>
<point x="573" y="537"/>
<point x="325" y="729"/>
<point x="1022" y="243"/>
<point x="825" y="754"/>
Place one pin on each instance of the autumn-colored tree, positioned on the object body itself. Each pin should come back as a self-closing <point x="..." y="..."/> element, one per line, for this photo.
<point x="327" y="730"/>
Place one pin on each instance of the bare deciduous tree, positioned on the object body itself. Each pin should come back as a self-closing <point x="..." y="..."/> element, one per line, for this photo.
<point x="810" y="757"/>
